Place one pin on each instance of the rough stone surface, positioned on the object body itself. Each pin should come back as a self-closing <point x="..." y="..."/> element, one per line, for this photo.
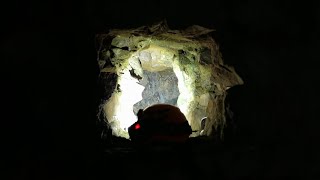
<point x="179" y="67"/>
<point x="160" y="87"/>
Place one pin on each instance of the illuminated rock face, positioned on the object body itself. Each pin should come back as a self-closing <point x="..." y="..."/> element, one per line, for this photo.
<point x="150" y="65"/>
<point x="160" y="87"/>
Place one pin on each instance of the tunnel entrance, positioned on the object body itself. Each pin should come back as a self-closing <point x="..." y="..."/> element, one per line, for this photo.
<point x="149" y="65"/>
<point x="150" y="76"/>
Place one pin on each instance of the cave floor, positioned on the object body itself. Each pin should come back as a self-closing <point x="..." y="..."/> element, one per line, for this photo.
<point x="197" y="158"/>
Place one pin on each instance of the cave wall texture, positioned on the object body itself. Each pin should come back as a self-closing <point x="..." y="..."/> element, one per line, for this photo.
<point x="157" y="58"/>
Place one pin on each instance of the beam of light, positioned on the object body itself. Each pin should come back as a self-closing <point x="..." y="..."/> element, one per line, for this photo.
<point x="131" y="93"/>
<point x="186" y="91"/>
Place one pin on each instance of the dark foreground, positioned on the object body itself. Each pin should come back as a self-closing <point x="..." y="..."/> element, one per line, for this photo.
<point x="198" y="158"/>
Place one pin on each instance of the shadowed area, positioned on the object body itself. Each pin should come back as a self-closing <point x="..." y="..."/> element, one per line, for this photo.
<point x="50" y="91"/>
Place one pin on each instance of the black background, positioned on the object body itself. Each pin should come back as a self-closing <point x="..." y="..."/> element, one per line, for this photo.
<point x="49" y="79"/>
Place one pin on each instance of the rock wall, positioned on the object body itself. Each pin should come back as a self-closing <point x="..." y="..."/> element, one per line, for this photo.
<point x="160" y="87"/>
<point x="182" y="67"/>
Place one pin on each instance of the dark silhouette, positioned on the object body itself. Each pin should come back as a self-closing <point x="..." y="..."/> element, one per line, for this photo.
<point x="160" y="123"/>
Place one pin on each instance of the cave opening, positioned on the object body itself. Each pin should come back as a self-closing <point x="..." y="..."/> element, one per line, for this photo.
<point x="150" y="76"/>
<point x="150" y="65"/>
